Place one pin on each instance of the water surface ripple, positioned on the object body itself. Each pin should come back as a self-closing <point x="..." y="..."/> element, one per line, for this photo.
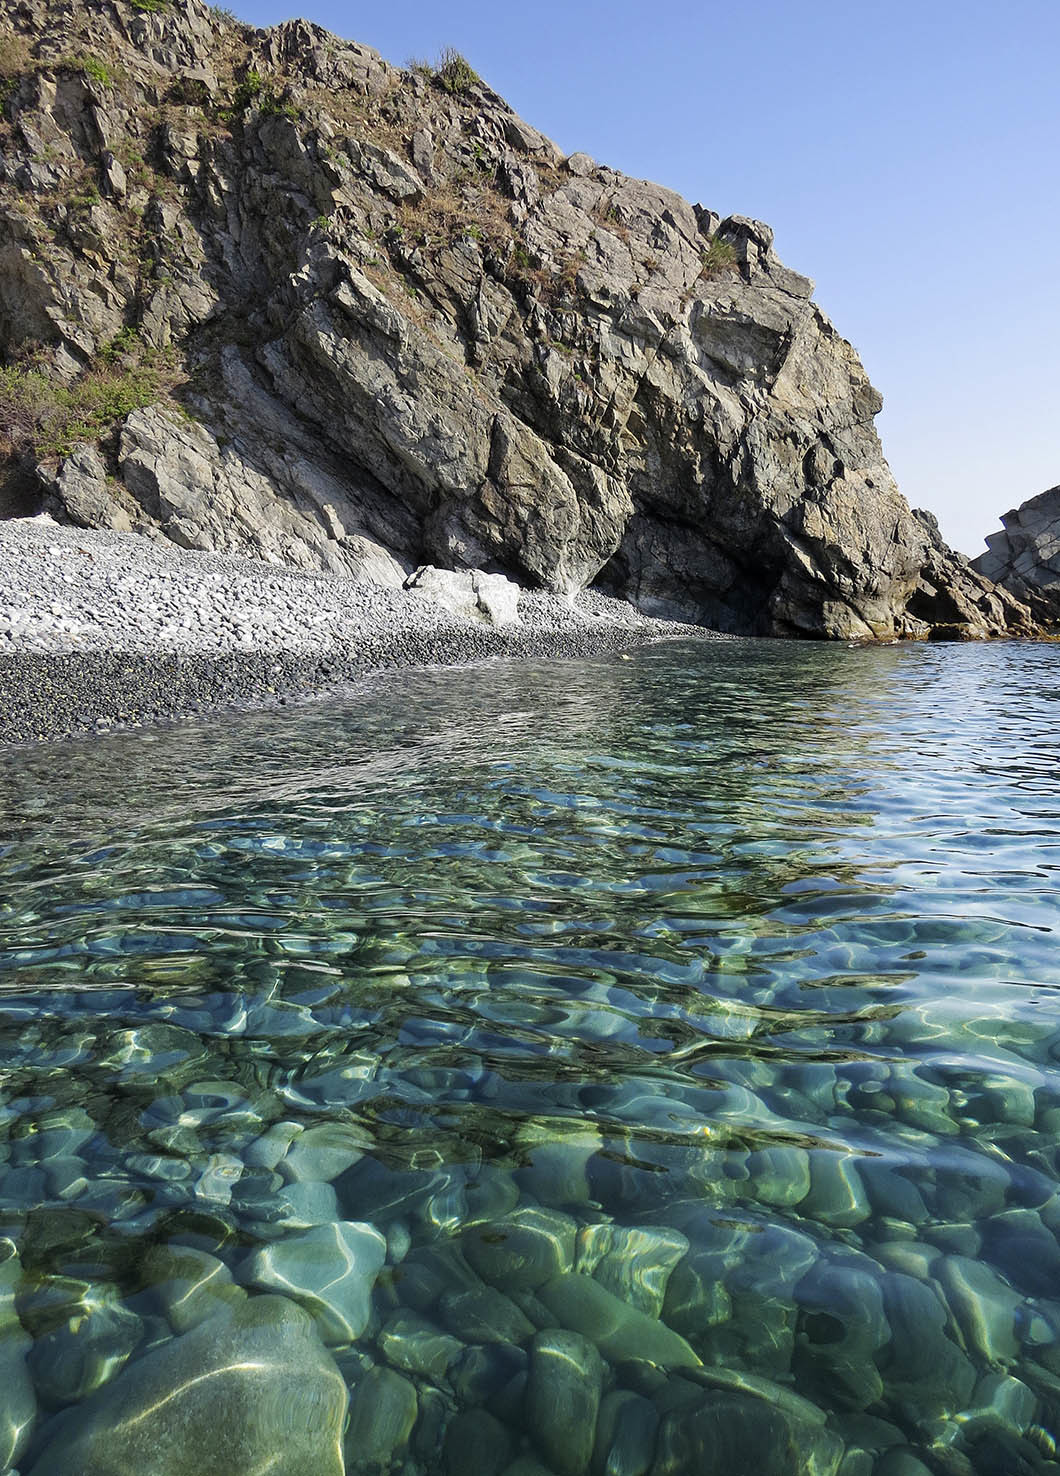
<point x="633" y="1066"/>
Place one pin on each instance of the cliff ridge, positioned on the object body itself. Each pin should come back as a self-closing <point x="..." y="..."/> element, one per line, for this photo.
<point x="263" y="293"/>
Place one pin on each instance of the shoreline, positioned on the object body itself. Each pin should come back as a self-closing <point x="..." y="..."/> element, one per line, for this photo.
<point x="47" y="697"/>
<point x="101" y="631"/>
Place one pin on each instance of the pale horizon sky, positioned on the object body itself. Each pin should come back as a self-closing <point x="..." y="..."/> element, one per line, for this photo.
<point x="907" y="157"/>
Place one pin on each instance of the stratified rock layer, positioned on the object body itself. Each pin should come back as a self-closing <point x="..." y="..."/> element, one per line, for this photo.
<point x="409" y="332"/>
<point x="1025" y="555"/>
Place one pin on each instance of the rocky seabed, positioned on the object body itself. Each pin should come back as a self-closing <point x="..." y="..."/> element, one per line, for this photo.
<point x="732" y="1276"/>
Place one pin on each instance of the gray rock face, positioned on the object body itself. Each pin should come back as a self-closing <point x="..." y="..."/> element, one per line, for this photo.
<point x="223" y="1398"/>
<point x="409" y="333"/>
<point x="1025" y="555"/>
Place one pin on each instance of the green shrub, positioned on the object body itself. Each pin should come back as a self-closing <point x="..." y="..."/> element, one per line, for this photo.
<point x="255" y="92"/>
<point x="42" y="416"/>
<point x="150" y="6"/>
<point x="84" y="201"/>
<point x="91" y="66"/>
<point x="454" y="73"/>
<point x="123" y="344"/>
<point x="248" y="91"/>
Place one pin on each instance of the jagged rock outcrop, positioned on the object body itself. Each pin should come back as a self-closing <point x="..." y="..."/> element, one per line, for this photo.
<point x="1025" y="556"/>
<point x="324" y="311"/>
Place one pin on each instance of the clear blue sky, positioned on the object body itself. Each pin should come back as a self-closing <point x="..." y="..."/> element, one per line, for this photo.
<point x="907" y="156"/>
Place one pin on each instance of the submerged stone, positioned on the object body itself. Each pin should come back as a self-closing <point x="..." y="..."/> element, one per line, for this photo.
<point x="619" y="1331"/>
<point x="190" y="1284"/>
<point x="925" y="1372"/>
<point x="633" y="1262"/>
<point x="524" y="1250"/>
<point x="484" y="1315"/>
<point x="18" y="1402"/>
<point x="382" y="1415"/>
<point x="626" y="1429"/>
<point x="477" y="1442"/>
<point x="778" y="1396"/>
<point x="696" y="1298"/>
<point x="417" y="1346"/>
<point x="892" y="1192"/>
<point x="836" y="1196"/>
<point x="555" y="1171"/>
<point x="901" y="1461"/>
<point x="322" y="1152"/>
<point x="482" y="1374"/>
<point x="330" y="1270"/>
<point x="842" y="1327"/>
<point x="726" y="1434"/>
<point x="562" y="1399"/>
<point x="430" y="1271"/>
<point x="85" y="1351"/>
<point x="999" y="1399"/>
<point x="983" y="1306"/>
<point x="780" y="1175"/>
<point x="222" y="1399"/>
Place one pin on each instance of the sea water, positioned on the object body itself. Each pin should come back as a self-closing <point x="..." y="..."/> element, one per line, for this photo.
<point x="639" y="1065"/>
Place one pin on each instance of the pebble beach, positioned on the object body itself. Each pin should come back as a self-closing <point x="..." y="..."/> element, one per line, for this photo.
<point x="102" y="630"/>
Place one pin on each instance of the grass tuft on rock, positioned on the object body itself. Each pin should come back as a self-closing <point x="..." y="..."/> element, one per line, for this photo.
<point x="455" y="73"/>
<point x="718" y="258"/>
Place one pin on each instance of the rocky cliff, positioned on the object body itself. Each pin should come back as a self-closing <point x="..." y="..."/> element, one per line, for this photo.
<point x="1025" y="556"/>
<point x="264" y="293"/>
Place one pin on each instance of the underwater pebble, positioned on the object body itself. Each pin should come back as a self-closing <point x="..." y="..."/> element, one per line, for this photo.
<point x="837" y="1196"/>
<point x="483" y="1314"/>
<point x="626" y="1430"/>
<point x="322" y="1152"/>
<point x="842" y="1328"/>
<point x="412" y="1344"/>
<point x="634" y="1263"/>
<point x="191" y="1285"/>
<point x="83" y="1353"/>
<point x="18" y="1407"/>
<point x="477" y="1442"/>
<point x="562" y="1399"/>
<point x="330" y="1270"/>
<point x="983" y="1307"/>
<point x="619" y="1331"/>
<point x="383" y="1411"/>
<point x="725" y="1433"/>
<point x="524" y="1250"/>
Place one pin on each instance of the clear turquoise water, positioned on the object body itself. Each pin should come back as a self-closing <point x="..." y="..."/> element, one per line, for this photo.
<point x="686" y="1026"/>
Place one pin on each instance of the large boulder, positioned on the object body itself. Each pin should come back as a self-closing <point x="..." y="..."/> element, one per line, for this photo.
<point x="222" y="1400"/>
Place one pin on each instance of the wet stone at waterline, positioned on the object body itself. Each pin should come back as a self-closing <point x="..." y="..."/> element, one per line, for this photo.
<point x="658" y="1075"/>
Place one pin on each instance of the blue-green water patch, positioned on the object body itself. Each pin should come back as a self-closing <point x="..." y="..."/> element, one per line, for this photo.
<point x="632" y="1067"/>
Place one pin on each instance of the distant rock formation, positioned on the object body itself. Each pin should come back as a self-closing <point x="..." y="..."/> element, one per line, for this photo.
<point x="263" y="293"/>
<point x="1025" y="556"/>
